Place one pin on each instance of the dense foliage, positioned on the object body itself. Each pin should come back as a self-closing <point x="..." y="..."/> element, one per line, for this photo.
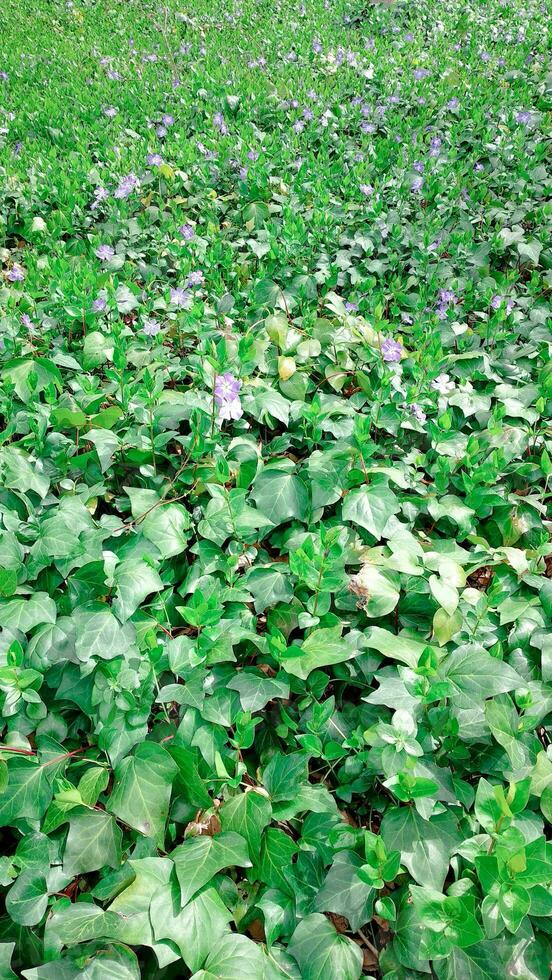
<point x="275" y="567"/>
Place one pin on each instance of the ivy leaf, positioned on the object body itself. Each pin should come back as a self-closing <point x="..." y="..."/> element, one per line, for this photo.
<point x="426" y="846"/>
<point x="344" y="893"/>
<point x="247" y="814"/>
<point x="199" y="858"/>
<point x="27" y="899"/>
<point x="371" y="508"/>
<point x="196" y="929"/>
<point x="142" y="790"/>
<point x="474" y="675"/>
<point x="234" y="958"/>
<point x="27" y="793"/>
<point x="322" y="648"/>
<point x="256" y="689"/>
<point x="280" y="496"/>
<point x="321" y="953"/>
<point x="94" y="840"/>
<point x="134" y="580"/>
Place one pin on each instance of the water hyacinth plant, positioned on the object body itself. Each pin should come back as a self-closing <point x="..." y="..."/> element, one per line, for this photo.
<point x="275" y="477"/>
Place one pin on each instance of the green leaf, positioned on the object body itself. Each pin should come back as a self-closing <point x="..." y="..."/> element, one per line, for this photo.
<point x="195" y="929"/>
<point x="142" y="790"/>
<point x="344" y="893"/>
<point x="94" y="840"/>
<point x="134" y="581"/>
<point x="322" y="648"/>
<point x="280" y="496"/>
<point x="234" y="958"/>
<point x="371" y="508"/>
<point x="474" y="675"/>
<point x="256" y="689"/>
<point x="426" y="846"/>
<point x="285" y="774"/>
<point x="247" y="814"/>
<point x="27" y="794"/>
<point x="27" y="899"/>
<point x="321" y="953"/>
<point x="199" y="858"/>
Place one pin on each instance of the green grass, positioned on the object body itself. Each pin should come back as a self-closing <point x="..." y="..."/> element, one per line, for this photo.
<point x="275" y="460"/>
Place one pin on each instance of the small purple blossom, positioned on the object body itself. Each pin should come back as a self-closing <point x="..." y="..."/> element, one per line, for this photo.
<point x="16" y="273"/>
<point x="351" y="307"/>
<point x="100" y="194"/>
<point x="417" y="185"/>
<point x="418" y="412"/>
<point x="99" y="305"/>
<point x="154" y="159"/>
<point x="420" y="73"/>
<point x="391" y="350"/>
<point x="227" y="396"/>
<point x="523" y="117"/>
<point x="187" y="232"/>
<point x="26" y="321"/>
<point x="167" y="119"/>
<point x="443" y="384"/>
<point x="180" y="297"/>
<point x="151" y="328"/>
<point x="105" y="253"/>
<point x="126" y="187"/>
<point x="418" y="166"/>
<point x="195" y="279"/>
<point x="366" y="189"/>
<point x="453" y="103"/>
<point x="110" y="111"/>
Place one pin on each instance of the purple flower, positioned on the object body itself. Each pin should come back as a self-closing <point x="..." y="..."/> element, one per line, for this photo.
<point x="187" y="232"/>
<point x="252" y="155"/>
<point x="418" y="166"/>
<point x="110" y="111"/>
<point x="523" y="117"/>
<point x="366" y="189"/>
<point x="101" y="194"/>
<point x="16" y="273"/>
<point x="99" y="305"/>
<point x="351" y="307"/>
<point x="154" y="160"/>
<point x="417" y="185"/>
<point x="167" y="119"/>
<point x="161" y="131"/>
<point x="417" y="412"/>
<point x="435" y="147"/>
<point x="4" y="76"/>
<point x="151" y="328"/>
<point x="316" y="47"/>
<point x="227" y="396"/>
<point x="391" y="350"/>
<point x="453" y="103"/>
<point x="420" y="73"/>
<point x="443" y="384"/>
<point x="26" y="321"/>
<point x="195" y="279"/>
<point x="219" y="123"/>
<point x="180" y="297"/>
<point x="105" y="253"/>
<point x="126" y="187"/>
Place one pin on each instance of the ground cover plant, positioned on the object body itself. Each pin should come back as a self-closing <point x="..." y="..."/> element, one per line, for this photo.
<point x="275" y="463"/>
